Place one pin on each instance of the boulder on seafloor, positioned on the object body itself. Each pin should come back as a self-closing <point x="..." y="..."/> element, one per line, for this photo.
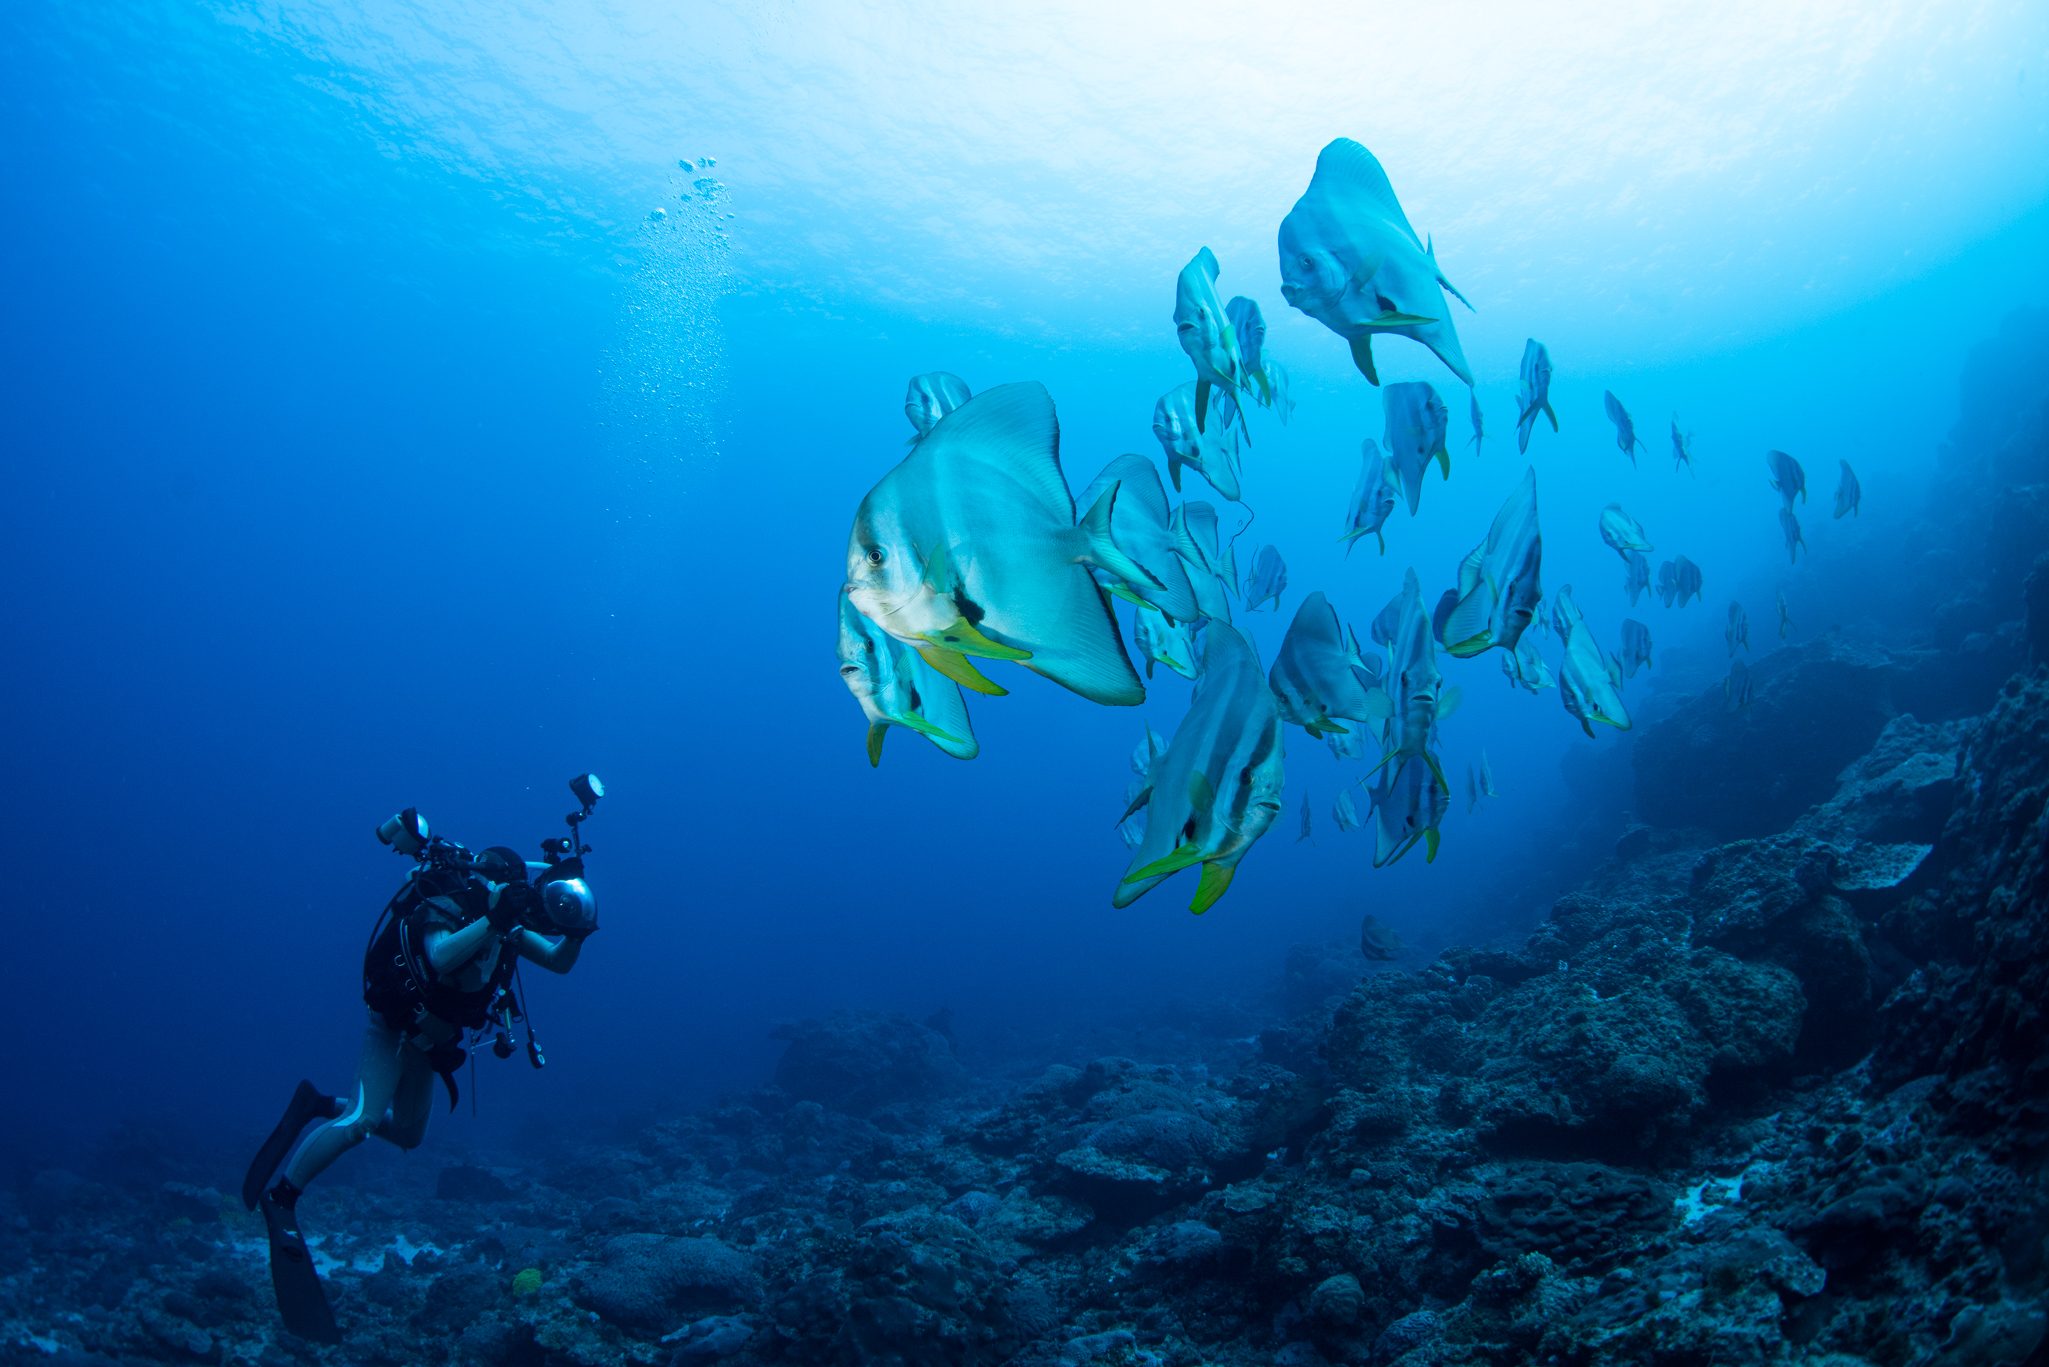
<point x="857" y="1061"/>
<point x="650" y="1283"/>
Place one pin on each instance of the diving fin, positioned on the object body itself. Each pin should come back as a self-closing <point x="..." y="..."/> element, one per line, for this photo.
<point x="301" y="1303"/>
<point x="308" y="1104"/>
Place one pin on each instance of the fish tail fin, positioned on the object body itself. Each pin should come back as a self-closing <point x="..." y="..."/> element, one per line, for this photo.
<point x="876" y="733"/>
<point x="1216" y="881"/>
<point x="1465" y="631"/>
<point x="1103" y="551"/>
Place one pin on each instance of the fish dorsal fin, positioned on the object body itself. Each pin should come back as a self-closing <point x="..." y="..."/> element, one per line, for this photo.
<point x="1011" y="430"/>
<point x="1140" y="493"/>
<point x="1201" y="796"/>
<point x="1207" y="259"/>
<point x="1345" y="165"/>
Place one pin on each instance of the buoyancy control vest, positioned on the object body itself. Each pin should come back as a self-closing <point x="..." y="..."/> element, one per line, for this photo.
<point x="400" y="982"/>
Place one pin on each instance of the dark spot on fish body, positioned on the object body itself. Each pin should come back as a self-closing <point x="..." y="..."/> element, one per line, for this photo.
<point x="969" y="608"/>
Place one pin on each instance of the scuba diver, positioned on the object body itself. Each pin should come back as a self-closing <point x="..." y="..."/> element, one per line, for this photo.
<point x="441" y="971"/>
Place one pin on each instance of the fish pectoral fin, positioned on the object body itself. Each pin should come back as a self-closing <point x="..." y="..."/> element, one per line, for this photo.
<point x="1216" y="881"/>
<point x="1448" y="703"/>
<point x="1180" y="859"/>
<point x="962" y="638"/>
<point x="1201" y="795"/>
<point x="927" y="729"/>
<point x="957" y="667"/>
<point x="876" y="734"/>
<point x="1367" y="268"/>
<point x="1394" y="319"/>
<point x="1362" y="357"/>
<point x="1201" y="403"/>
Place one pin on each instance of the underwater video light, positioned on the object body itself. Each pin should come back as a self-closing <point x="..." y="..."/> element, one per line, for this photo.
<point x="588" y="789"/>
<point x="406" y="832"/>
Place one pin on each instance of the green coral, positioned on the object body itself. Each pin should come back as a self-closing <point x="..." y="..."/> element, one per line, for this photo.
<point x="527" y="1283"/>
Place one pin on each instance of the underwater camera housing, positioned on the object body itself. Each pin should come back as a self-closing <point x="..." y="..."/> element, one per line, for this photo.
<point x="557" y="902"/>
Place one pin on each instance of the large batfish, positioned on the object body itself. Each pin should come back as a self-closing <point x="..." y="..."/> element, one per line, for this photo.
<point x="1217" y="788"/>
<point x="1204" y="329"/>
<point x="1636" y="647"/>
<point x="1479" y="423"/>
<point x="1162" y="640"/>
<point x="1248" y="328"/>
<point x="896" y="688"/>
<point x="1682" y="448"/>
<point x="1678" y="578"/>
<point x="931" y="397"/>
<point x="1737" y="633"/>
<point x="1622" y="532"/>
<point x="1141" y="524"/>
<point x="970" y="547"/>
<point x="1525" y="667"/>
<point x="1534" y="397"/>
<point x="1736" y="691"/>
<point x="1266" y="581"/>
<point x="1420" y="699"/>
<point x="1312" y="676"/>
<point x="1414" y="435"/>
<point x="1787" y="477"/>
<point x="1213" y="455"/>
<point x="1345" y="812"/>
<point x="1498" y="583"/>
<point x="1625" y="426"/>
<point x="1372" y="498"/>
<point x="1410" y="802"/>
<point x="1849" y="493"/>
<point x="1639" y="577"/>
<point x="1785" y="617"/>
<point x="1209" y="567"/>
<point x="1350" y="260"/>
<point x="1789" y="526"/>
<point x="1590" y="681"/>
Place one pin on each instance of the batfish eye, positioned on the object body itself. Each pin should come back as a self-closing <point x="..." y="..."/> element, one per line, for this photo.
<point x="875" y="556"/>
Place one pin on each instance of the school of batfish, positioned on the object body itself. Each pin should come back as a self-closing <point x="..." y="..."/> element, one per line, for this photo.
<point x="974" y="549"/>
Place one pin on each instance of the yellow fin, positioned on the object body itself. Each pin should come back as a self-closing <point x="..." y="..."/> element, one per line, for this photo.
<point x="957" y="668"/>
<point x="1430" y="839"/>
<point x="1180" y="859"/>
<point x="876" y="733"/>
<point x="963" y="639"/>
<point x="1216" y="880"/>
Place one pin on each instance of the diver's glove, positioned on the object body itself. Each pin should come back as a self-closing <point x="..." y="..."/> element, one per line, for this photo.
<point x="508" y="907"/>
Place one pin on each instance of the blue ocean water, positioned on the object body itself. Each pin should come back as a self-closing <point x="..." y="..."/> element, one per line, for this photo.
<point x="372" y="443"/>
